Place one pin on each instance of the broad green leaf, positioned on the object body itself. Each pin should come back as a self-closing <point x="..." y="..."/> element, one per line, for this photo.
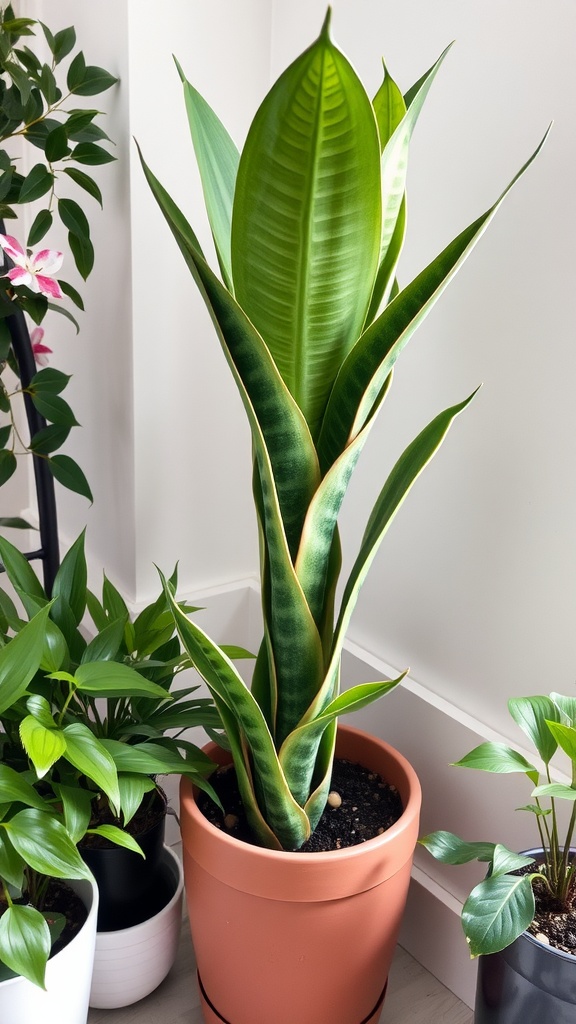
<point x="50" y="380"/>
<point x="450" y="849"/>
<point x="86" y="182"/>
<point x="45" y="845"/>
<point x="20" y="658"/>
<point x="506" y="861"/>
<point x="71" y="579"/>
<point x="297" y="754"/>
<point x="133" y="789"/>
<point x="497" y="911"/>
<point x="364" y="371"/>
<point x="114" y="679"/>
<point x="57" y="144"/>
<point x="11" y="864"/>
<point x="37" y="183"/>
<point x="77" y="808"/>
<point x="7" y="465"/>
<point x="64" y="43"/>
<point x="94" y="81"/>
<point x="394" y="169"/>
<point x="91" y="154"/>
<point x="553" y="790"/>
<point x="44" y="745"/>
<point x="73" y="217"/>
<point x="25" y="942"/>
<point x="118" y="836"/>
<point x="18" y="570"/>
<point x="495" y="757"/>
<point x="567" y="706"/>
<point x="531" y="713"/>
<point x="68" y="473"/>
<point x="306" y="221"/>
<point x="106" y="644"/>
<point x="15" y="788"/>
<point x="565" y="736"/>
<point x="40" y="227"/>
<point x="83" y="252"/>
<point x="54" y="409"/>
<point x="217" y="158"/>
<point x="49" y="439"/>
<point x="89" y="756"/>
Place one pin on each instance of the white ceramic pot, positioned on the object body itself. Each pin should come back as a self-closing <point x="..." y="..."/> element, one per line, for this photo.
<point x="131" y="963"/>
<point x="68" y="976"/>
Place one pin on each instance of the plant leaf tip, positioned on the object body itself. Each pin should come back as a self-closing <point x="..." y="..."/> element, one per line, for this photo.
<point x="326" y="25"/>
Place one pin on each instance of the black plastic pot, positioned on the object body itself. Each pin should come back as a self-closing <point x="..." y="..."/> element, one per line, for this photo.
<point x="128" y="884"/>
<point x="526" y="983"/>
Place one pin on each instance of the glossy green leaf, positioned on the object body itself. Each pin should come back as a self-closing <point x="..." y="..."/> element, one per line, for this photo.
<point x="495" y="757"/>
<point x="85" y="181"/>
<point x="531" y="713"/>
<point x="73" y="217"/>
<point x="362" y="375"/>
<point x="11" y="865"/>
<point x="83" y="252"/>
<point x="114" y="679"/>
<point x="217" y="158"/>
<point x="94" y="81"/>
<point x="15" y="788"/>
<point x="7" y="465"/>
<point x="497" y="911"/>
<point x="71" y="579"/>
<point x="25" y="942"/>
<point x="555" y="790"/>
<point x="133" y="789"/>
<point x="565" y="737"/>
<point x="49" y="379"/>
<point x="88" y="755"/>
<point x="106" y="644"/>
<point x="54" y="408"/>
<point x="567" y="708"/>
<point x="68" y="473"/>
<point x="292" y="245"/>
<point x="91" y="154"/>
<point x="20" y="659"/>
<point x="37" y="183"/>
<point x="71" y="293"/>
<point x="40" y="227"/>
<point x="450" y="849"/>
<point x="77" y="809"/>
<point x="45" y="845"/>
<point x="57" y="146"/>
<point x="506" y="861"/>
<point x="118" y="836"/>
<point x="44" y="745"/>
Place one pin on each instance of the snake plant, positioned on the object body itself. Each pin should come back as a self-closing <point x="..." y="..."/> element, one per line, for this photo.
<point x="308" y="224"/>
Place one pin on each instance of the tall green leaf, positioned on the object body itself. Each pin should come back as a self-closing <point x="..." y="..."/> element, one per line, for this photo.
<point x="306" y="220"/>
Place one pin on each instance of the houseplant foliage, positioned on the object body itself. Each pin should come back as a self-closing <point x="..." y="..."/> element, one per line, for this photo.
<point x="308" y="225"/>
<point x="83" y="728"/>
<point x="39" y="111"/>
<point x="502" y="906"/>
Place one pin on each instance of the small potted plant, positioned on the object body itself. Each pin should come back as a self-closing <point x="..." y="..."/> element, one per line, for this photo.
<point x="93" y="724"/>
<point x="521" y="920"/>
<point x="308" y="225"/>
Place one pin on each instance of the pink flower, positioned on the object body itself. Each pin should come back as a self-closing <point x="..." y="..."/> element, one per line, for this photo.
<point x="33" y="270"/>
<point x="41" y="352"/>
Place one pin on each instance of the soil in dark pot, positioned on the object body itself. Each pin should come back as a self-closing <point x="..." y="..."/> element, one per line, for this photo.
<point x="531" y="981"/>
<point x="131" y="887"/>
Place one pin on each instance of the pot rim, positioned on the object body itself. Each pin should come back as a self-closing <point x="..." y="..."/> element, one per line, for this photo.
<point x="411" y="810"/>
<point x="544" y="946"/>
<point x="86" y="886"/>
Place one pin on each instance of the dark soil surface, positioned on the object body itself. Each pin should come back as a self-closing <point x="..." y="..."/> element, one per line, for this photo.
<point x="361" y="805"/>
<point x="62" y="899"/>
<point x="150" y="813"/>
<point x="552" y="925"/>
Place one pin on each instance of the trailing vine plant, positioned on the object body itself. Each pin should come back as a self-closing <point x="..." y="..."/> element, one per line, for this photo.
<point x="39" y="109"/>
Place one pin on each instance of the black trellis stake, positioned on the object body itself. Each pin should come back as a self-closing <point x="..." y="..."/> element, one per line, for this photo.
<point x="49" y="551"/>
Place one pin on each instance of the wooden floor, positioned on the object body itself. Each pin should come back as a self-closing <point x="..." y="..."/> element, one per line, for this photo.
<point x="414" y="997"/>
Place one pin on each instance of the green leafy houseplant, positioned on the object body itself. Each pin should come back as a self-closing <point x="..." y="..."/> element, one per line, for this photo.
<point x="38" y="109"/>
<point x="83" y="728"/>
<point x="308" y="225"/>
<point x="503" y="906"/>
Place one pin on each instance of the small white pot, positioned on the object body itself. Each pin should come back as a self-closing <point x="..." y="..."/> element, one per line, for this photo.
<point x="131" y="963"/>
<point x="68" y="976"/>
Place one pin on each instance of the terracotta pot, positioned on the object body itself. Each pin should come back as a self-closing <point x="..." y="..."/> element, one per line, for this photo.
<point x="291" y="938"/>
<point x="526" y="983"/>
